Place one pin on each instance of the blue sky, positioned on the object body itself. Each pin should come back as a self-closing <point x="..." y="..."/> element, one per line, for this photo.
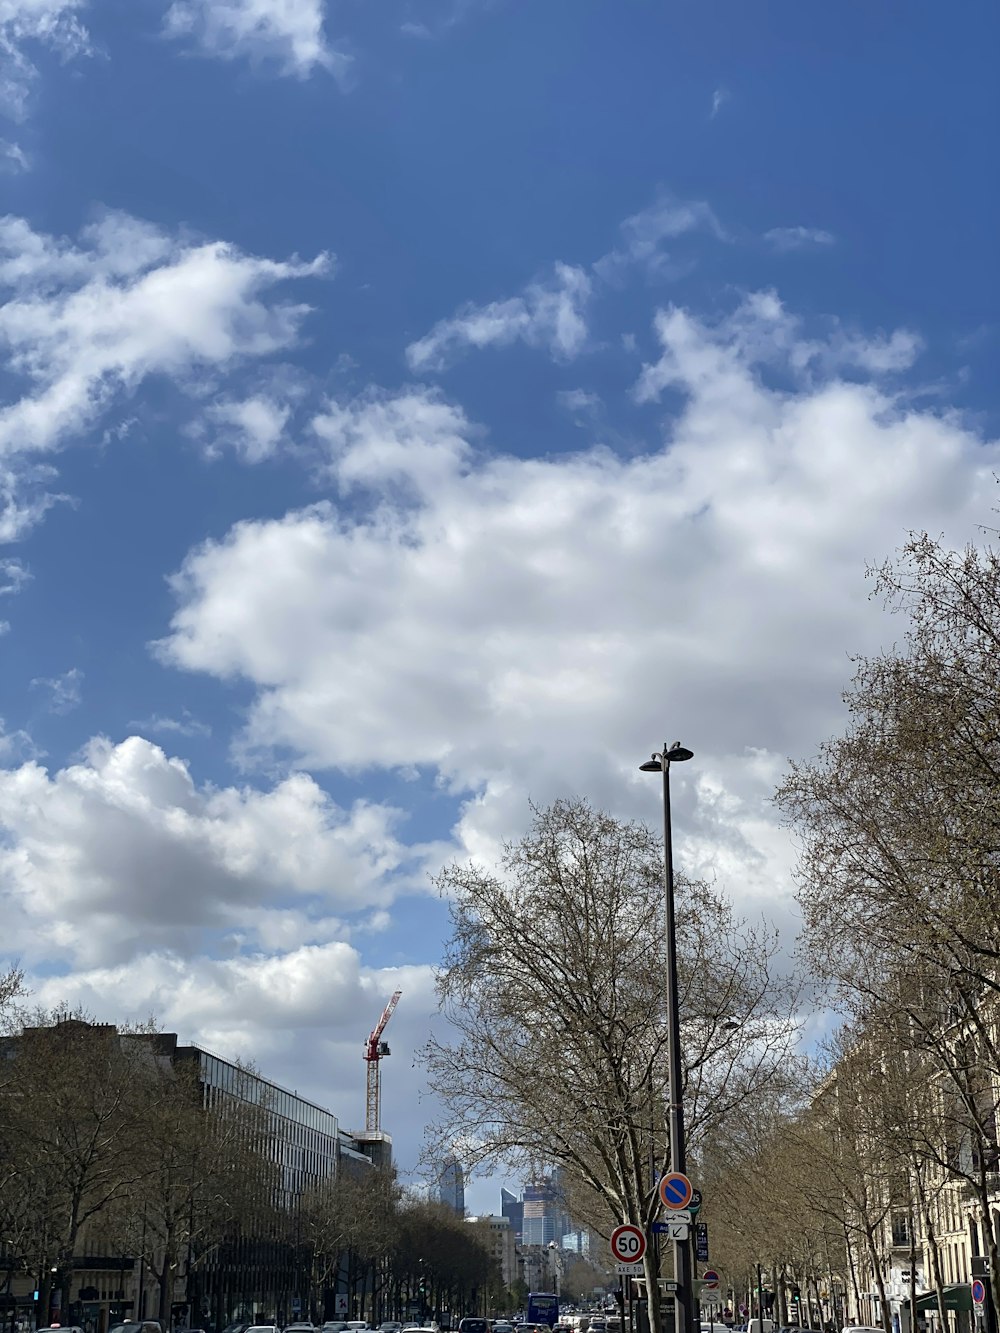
<point x="413" y="407"/>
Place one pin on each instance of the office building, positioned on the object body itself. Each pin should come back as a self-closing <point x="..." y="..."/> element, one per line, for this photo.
<point x="451" y="1185"/>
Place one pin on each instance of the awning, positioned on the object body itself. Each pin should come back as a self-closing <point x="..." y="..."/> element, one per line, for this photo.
<point x="956" y="1297"/>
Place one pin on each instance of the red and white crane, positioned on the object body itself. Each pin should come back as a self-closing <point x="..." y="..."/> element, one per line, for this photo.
<point x="375" y="1048"/>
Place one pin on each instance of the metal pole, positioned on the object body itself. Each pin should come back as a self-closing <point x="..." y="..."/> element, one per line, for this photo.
<point x="684" y="1297"/>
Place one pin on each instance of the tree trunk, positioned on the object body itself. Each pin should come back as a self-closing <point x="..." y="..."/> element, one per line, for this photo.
<point x="876" y="1263"/>
<point x="651" y="1274"/>
<point x="163" y="1283"/>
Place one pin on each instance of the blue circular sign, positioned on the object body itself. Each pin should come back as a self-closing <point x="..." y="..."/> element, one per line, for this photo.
<point x="978" y="1291"/>
<point x="675" y="1190"/>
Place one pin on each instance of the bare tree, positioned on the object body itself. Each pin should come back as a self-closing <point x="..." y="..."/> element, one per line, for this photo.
<point x="72" y="1112"/>
<point x="900" y="821"/>
<point x="553" y="987"/>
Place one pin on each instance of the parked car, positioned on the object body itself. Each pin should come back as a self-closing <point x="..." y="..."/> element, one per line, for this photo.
<point x="472" y="1325"/>
<point x="390" y="1326"/>
<point x="137" y="1326"/>
<point x="300" y="1326"/>
<point x="263" y="1328"/>
<point x="334" y="1326"/>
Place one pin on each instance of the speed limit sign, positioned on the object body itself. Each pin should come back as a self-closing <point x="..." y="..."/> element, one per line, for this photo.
<point x="628" y="1243"/>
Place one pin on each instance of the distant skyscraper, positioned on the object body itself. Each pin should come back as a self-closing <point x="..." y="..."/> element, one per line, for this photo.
<point x="512" y="1208"/>
<point x="542" y="1214"/>
<point x="451" y="1185"/>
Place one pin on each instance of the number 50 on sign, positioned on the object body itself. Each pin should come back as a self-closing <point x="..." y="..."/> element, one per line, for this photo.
<point x="628" y="1243"/>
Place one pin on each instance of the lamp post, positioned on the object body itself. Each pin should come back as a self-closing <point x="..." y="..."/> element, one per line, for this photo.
<point x="683" y="1270"/>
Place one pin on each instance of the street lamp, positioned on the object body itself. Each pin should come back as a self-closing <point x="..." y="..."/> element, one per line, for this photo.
<point x="683" y="1272"/>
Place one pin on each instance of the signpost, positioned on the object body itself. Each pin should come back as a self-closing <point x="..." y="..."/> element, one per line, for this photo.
<point x="701" y="1242"/>
<point x="675" y="1190"/>
<point x="628" y="1245"/>
<point x="678" y="1230"/>
<point x="681" y="1215"/>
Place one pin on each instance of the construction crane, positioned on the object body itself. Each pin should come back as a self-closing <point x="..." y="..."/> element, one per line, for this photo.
<point x="375" y="1048"/>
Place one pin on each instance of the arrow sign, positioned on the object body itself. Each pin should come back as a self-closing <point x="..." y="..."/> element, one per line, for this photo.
<point x="628" y="1243"/>
<point x="679" y="1230"/>
<point x="675" y="1190"/>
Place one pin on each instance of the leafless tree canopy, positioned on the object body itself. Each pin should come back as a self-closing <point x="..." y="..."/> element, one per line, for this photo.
<point x="553" y="988"/>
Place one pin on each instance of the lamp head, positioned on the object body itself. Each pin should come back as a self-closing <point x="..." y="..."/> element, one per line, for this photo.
<point x="676" y="754"/>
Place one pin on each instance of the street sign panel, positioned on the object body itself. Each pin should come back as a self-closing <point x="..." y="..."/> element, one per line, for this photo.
<point x="695" y="1203"/>
<point x="979" y="1291"/>
<point x="701" y="1242"/>
<point x="626" y="1270"/>
<point x="675" y="1190"/>
<point x="711" y="1279"/>
<point x="678" y="1230"/>
<point x="681" y="1215"/>
<point x="628" y="1243"/>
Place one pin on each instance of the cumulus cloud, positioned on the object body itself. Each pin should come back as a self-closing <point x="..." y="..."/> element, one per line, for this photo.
<point x="529" y="625"/>
<point x="287" y="31"/>
<point x="720" y="96"/>
<point x="25" y="24"/>
<point x="302" y="1016"/>
<point x="549" y="314"/>
<point x="86" y="322"/>
<point x="252" y="427"/>
<point x="798" y="238"/>
<point x="123" y="852"/>
<point x="760" y="332"/>
<point x="415" y="439"/>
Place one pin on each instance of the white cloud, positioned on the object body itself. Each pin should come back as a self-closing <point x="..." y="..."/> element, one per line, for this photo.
<point x="288" y="31"/>
<point x="798" y="238"/>
<point x="252" y="427"/>
<point x="548" y="314"/>
<point x="122" y="852"/>
<point x="13" y="157"/>
<point x="13" y="576"/>
<point x="525" y="627"/>
<point x="720" y="97"/>
<point x="85" y="323"/>
<point x="64" y="690"/>
<point x="579" y="401"/>
<point x="552" y="314"/>
<point x="415" y="439"/>
<point x="25" y="24"/>
<point x="185" y="725"/>
<point x="762" y="332"/>
<point x="644" y="232"/>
